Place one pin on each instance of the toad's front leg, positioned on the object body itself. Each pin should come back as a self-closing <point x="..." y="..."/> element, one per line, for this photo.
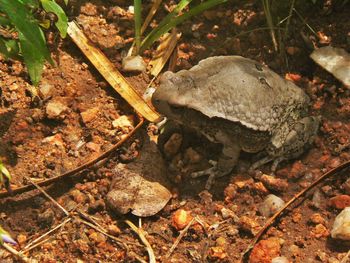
<point x="226" y="162"/>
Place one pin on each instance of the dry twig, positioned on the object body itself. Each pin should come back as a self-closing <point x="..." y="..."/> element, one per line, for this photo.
<point x="48" y="196"/>
<point x="16" y="253"/>
<point x="139" y="232"/>
<point x="178" y="239"/>
<point x="30" y="245"/>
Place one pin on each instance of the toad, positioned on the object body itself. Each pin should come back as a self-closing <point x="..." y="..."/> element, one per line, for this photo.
<point x="242" y="105"/>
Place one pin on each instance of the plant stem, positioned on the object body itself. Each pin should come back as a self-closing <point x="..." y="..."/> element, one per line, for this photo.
<point x="137" y="19"/>
<point x="267" y="11"/>
<point x="180" y="6"/>
<point x="149" y="40"/>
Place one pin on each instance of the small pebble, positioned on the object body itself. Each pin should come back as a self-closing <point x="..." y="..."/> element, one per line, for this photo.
<point x="274" y="183"/>
<point x="181" y="218"/>
<point x="55" y="110"/>
<point x="133" y="64"/>
<point x="265" y="250"/>
<point x="280" y="260"/>
<point x="341" y="225"/>
<point x="271" y="205"/>
<point x="340" y="201"/>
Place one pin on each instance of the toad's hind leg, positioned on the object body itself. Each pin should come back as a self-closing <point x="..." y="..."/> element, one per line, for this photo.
<point x="226" y="162"/>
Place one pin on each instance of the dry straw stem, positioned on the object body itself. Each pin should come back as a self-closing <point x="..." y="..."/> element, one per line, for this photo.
<point x="163" y="52"/>
<point x="48" y="196"/>
<point x="111" y="74"/>
<point x="140" y="233"/>
<point x="178" y="239"/>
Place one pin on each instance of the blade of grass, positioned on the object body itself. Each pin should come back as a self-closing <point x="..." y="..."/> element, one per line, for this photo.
<point x="33" y="59"/>
<point x="137" y="19"/>
<point x="180" y="6"/>
<point x="151" y="13"/>
<point x="149" y="40"/>
<point x="267" y="11"/>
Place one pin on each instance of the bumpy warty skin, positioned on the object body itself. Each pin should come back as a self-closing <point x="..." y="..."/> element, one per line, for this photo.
<point x="236" y="89"/>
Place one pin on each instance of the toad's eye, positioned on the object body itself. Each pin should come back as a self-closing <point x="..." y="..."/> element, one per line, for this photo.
<point x="259" y="67"/>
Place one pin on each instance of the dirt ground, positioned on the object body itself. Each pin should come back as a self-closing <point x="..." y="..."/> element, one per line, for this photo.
<point x="74" y="120"/>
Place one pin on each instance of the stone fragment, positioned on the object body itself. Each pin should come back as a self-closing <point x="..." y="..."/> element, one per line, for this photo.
<point x="341" y="225"/>
<point x="271" y="205"/>
<point x="55" y="110"/>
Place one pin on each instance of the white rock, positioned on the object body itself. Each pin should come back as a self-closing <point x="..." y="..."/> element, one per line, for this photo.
<point x="46" y="89"/>
<point x="271" y="205"/>
<point x="280" y="260"/>
<point x="122" y="122"/>
<point x="341" y="225"/>
<point x="54" y="109"/>
<point x="133" y="64"/>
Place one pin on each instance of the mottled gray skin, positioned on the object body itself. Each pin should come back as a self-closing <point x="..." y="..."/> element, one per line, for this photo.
<point x="241" y="104"/>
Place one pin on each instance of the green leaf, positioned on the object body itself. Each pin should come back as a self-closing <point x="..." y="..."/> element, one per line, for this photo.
<point x="34" y="60"/>
<point x="9" y="48"/>
<point x="30" y="3"/>
<point x="66" y="2"/>
<point x="26" y="25"/>
<point x="4" y="21"/>
<point x="62" y="22"/>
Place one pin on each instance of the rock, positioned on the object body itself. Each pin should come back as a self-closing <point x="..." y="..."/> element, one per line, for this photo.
<point x="78" y="196"/>
<point x="123" y="122"/>
<point x="319" y="231"/>
<point x="260" y="188"/>
<point x="55" y="110"/>
<point x="271" y="205"/>
<point x="230" y="192"/>
<point x="46" y="90"/>
<point x="181" y="218"/>
<point x="21" y="239"/>
<point x="97" y="237"/>
<point x="316" y="218"/>
<point x="341" y="225"/>
<point x="265" y="250"/>
<point x="217" y="253"/>
<point x="243" y="180"/>
<point x="280" y="260"/>
<point x="228" y="213"/>
<point x="274" y="183"/>
<point x="89" y="115"/>
<point x="55" y="140"/>
<point x="250" y="225"/>
<point x="340" y="201"/>
<point x="317" y="198"/>
<point x="133" y="64"/>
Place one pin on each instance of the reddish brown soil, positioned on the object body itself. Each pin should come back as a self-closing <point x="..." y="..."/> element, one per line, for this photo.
<point x="36" y="145"/>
